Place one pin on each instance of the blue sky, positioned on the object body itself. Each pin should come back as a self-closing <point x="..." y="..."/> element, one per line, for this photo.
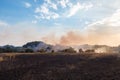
<point x="28" y="20"/>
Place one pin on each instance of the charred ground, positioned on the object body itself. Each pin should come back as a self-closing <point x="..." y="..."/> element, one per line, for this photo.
<point x="59" y="66"/>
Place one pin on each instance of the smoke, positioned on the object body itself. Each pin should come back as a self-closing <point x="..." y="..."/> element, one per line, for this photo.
<point x="72" y="38"/>
<point x="102" y="32"/>
<point x="51" y="39"/>
<point x="77" y="38"/>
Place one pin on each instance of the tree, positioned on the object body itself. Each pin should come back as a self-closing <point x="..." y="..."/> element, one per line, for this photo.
<point x="81" y="51"/>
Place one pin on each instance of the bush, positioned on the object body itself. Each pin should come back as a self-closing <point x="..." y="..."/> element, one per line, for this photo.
<point x="28" y="50"/>
<point x="69" y="50"/>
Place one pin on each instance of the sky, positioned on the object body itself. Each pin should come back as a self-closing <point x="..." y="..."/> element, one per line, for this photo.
<point x="65" y="22"/>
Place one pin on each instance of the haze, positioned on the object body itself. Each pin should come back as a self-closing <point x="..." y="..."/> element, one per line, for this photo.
<point x="66" y="22"/>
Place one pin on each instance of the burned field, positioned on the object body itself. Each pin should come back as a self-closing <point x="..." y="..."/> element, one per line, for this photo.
<point x="59" y="66"/>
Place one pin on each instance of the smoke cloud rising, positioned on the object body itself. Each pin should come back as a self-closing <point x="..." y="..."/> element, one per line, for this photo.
<point x="102" y="32"/>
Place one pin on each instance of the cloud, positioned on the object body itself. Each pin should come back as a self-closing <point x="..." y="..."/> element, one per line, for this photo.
<point x="3" y="24"/>
<point x="63" y="3"/>
<point x="51" y="9"/>
<point x="75" y="8"/>
<point x="42" y="9"/>
<point x="27" y="5"/>
<point x="54" y="6"/>
<point x="51" y="4"/>
<point x="45" y="13"/>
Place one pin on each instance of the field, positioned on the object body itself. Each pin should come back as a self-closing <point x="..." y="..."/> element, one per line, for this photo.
<point x="35" y="66"/>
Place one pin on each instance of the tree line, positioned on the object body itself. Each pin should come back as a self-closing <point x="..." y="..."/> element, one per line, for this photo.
<point x="12" y="49"/>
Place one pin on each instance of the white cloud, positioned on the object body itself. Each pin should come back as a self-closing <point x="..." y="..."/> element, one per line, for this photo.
<point x="51" y="15"/>
<point x="63" y="3"/>
<point x="54" y="6"/>
<point x="3" y="24"/>
<point x="42" y="9"/>
<point x="51" y="4"/>
<point x="27" y="5"/>
<point x="75" y="8"/>
<point x="49" y="9"/>
<point x="44" y="13"/>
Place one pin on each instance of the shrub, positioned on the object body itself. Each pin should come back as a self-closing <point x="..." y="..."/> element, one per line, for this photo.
<point x="28" y="50"/>
<point x="69" y="50"/>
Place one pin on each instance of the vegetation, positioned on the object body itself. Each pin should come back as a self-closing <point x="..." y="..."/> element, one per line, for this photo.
<point x="42" y="51"/>
<point x="90" y="51"/>
<point x="69" y="50"/>
<point x="81" y="51"/>
<point x="28" y="50"/>
<point x="59" y="67"/>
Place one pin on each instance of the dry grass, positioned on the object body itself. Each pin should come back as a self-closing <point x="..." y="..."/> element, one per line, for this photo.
<point x="59" y="66"/>
<point x="1" y="59"/>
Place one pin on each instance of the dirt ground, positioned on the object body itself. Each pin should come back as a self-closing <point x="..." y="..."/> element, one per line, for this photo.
<point x="34" y="66"/>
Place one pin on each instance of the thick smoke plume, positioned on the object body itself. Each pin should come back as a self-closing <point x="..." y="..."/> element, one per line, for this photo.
<point x="102" y="32"/>
<point x="78" y="38"/>
<point x="72" y="38"/>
